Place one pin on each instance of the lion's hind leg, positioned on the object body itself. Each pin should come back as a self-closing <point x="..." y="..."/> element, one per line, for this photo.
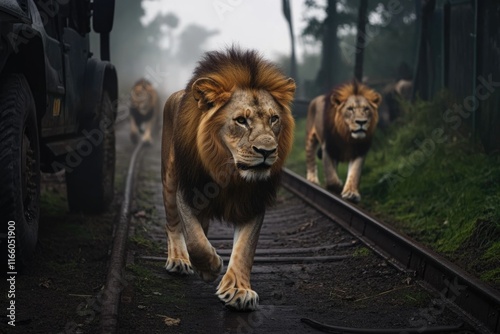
<point x="147" y="137"/>
<point x="234" y="289"/>
<point x="311" y="147"/>
<point x="332" y="181"/>
<point x="134" y="131"/>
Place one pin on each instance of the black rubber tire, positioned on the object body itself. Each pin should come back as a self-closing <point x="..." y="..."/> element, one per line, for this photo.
<point x="19" y="169"/>
<point x="90" y="184"/>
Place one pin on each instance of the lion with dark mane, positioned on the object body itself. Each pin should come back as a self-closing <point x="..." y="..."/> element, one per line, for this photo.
<point x="225" y="139"/>
<point x="342" y="123"/>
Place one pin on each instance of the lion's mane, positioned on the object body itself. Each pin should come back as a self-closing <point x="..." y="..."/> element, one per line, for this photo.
<point x="339" y="143"/>
<point x="209" y="181"/>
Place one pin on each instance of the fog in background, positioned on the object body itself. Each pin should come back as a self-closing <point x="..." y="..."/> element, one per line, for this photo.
<point x="162" y="40"/>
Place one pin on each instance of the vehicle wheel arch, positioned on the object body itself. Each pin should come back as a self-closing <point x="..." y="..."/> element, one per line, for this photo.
<point x="29" y="61"/>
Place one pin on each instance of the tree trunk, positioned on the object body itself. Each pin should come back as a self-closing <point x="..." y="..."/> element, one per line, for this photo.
<point x="330" y="55"/>
<point x="293" y="61"/>
<point x="360" y="40"/>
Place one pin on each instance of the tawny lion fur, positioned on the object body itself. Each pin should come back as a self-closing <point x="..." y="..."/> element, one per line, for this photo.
<point x="342" y="123"/>
<point x="235" y="110"/>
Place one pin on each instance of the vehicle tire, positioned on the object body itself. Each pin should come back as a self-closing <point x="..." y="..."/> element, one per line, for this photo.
<point x="90" y="184"/>
<point x="19" y="170"/>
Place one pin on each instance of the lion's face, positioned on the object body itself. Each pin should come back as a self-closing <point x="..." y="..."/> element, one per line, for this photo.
<point x="359" y="116"/>
<point x="251" y="132"/>
<point x="140" y="98"/>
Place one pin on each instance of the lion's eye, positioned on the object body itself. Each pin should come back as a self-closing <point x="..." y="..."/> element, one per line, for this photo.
<point x="241" y="120"/>
<point x="274" y="119"/>
<point x="367" y="109"/>
<point x="350" y="109"/>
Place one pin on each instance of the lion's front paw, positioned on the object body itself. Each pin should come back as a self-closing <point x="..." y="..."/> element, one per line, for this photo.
<point x="211" y="271"/>
<point x="311" y="177"/>
<point x="351" y="195"/>
<point x="179" y="266"/>
<point x="239" y="299"/>
<point x="234" y="291"/>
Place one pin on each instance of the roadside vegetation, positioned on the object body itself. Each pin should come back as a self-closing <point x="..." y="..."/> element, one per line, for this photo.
<point x="433" y="183"/>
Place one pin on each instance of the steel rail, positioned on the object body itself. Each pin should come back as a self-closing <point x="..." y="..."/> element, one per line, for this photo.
<point x="115" y="280"/>
<point x="453" y="283"/>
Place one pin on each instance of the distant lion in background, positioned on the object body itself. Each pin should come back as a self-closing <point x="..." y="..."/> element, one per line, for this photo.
<point x="144" y="112"/>
<point x="342" y="123"/>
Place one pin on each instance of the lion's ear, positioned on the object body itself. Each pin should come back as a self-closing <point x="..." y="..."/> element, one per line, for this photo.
<point x="283" y="91"/>
<point x="335" y="99"/>
<point x="376" y="99"/>
<point x="209" y="93"/>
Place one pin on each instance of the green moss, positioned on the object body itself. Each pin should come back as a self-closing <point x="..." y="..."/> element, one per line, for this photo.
<point x="140" y="271"/>
<point x="416" y="298"/>
<point x="297" y="159"/>
<point x="53" y="202"/>
<point x="57" y="267"/>
<point x="361" y="251"/>
<point x="144" y="242"/>
<point x="156" y="289"/>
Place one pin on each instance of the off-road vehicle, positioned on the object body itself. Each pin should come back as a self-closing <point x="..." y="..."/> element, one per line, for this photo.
<point x="57" y="111"/>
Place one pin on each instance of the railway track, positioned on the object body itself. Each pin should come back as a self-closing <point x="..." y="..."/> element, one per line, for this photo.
<point x="467" y="292"/>
<point x="319" y="261"/>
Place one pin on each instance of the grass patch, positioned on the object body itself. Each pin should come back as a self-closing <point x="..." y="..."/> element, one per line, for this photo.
<point x="141" y="271"/>
<point x="144" y="242"/>
<point x="434" y="184"/>
<point x="491" y="275"/>
<point x="53" y="201"/>
<point x="155" y="289"/>
<point x="362" y="251"/>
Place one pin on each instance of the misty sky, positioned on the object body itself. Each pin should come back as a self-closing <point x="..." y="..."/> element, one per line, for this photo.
<point x="257" y="24"/>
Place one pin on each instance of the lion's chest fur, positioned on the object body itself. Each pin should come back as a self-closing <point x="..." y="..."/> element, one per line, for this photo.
<point x="339" y="144"/>
<point x="342" y="150"/>
<point x="236" y="201"/>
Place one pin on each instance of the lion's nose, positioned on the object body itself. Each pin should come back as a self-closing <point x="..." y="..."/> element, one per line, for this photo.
<point x="361" y="122"/>
<point x="265" y="153"/>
